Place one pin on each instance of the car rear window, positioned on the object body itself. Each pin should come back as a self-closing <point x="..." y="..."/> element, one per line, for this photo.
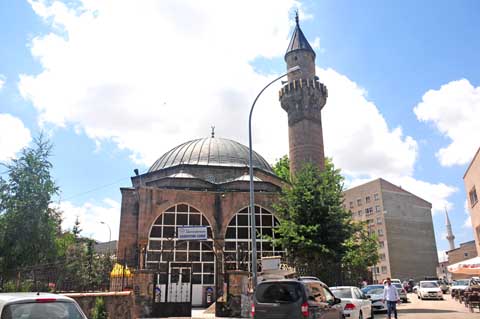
<point x="278" y="292"/>
<point x="342" y="292"/>
<point x="50" y="310"/>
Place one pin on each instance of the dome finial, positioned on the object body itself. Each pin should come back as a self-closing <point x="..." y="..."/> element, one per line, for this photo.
<point x="213" y="131"/>
<point x="296" y="16"/>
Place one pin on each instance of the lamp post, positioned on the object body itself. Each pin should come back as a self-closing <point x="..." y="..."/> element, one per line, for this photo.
<point x="253" y="233"/>
<point x="109" y="231"/>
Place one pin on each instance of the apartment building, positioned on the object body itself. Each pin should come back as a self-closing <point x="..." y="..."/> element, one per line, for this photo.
<point x="404" y="227"/>
<point x="471" y="181"/>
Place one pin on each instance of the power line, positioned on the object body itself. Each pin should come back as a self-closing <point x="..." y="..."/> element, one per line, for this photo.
<point x="95" y="189"/>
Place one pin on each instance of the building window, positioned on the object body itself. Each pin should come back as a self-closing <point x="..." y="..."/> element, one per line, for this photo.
<point x="381" y="244"/>
<point x="380" y="232"/>
<point x="163" y="246"/>
<point x="367" y="199"/>
<point x="359" y="202"/>
<point x="370" y="222"/>
<point x="384" y="269"/>
<point x="376" y="197"/>
<point x="359" y="212"/>
<point x="368" y="211"/>
<point x="379" y="220"/>
<point x="378" y="209"/>
<point x="351" y="204"/>
<point x="238" y="242"/>
<point x="465" y="254"/>
<point x="382" y="257"/>
<point x="473" y="197"/>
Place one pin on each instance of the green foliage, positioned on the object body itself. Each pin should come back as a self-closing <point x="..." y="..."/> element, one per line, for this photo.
<point x="100" y="310"/>
<point x="315" y="229"/>
<point x="28" y="225"/>
<point x="282" y="168"/>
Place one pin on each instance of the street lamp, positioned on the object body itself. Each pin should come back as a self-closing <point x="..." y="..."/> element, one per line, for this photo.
<point x="250" y="162"/>
<point x="109" y="231"/>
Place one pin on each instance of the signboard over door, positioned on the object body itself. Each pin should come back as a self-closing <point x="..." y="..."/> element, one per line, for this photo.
<point x="192" y="232"/>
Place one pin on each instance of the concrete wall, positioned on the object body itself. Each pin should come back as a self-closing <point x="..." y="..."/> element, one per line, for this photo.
<point x="471" y="181"/>
<point x="120" y="305"/>
<point x="411" y="238"/>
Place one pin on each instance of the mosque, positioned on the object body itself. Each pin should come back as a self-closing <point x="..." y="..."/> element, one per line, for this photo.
<point x="205" y="182"/>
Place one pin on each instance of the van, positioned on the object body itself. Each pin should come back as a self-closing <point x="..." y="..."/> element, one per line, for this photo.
<point x="294" y="299"/>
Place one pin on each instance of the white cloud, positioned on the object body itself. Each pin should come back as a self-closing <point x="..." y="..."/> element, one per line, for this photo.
<point x="90" y="215"/>
<point x="149" y="76"/>
<point x="13" y="136"/>
<point x="453" y="110"/>
<point x="3" y="79"/>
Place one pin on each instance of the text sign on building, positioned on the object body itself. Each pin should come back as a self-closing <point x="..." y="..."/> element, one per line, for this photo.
<point x="192" y="232"/>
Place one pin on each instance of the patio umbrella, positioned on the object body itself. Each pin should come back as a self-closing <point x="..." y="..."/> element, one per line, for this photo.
<point x="467" y="267"/>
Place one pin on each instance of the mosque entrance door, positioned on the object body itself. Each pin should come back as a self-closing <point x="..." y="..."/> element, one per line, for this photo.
<point x="172" y="295"/>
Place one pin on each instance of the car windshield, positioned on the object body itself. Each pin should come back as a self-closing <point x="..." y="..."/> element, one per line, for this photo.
<point x="342" y="292"/>
<point x="398" y="286"/>
<point x="460" y="283"/>
<point x="50" y="310"/>
<point x="373" y="290"/>
<point x="278" y="292"/>
<point x="428" y="285"/>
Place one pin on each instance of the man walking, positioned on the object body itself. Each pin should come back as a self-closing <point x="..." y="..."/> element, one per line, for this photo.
<point x="390" y="294"/>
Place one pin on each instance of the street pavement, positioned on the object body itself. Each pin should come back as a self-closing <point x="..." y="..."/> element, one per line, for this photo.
<point x="432" y="309"/>
<point x="413" y="309"/>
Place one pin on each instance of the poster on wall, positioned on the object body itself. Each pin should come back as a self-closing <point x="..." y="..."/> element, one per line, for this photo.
<point x="192" y="233"/>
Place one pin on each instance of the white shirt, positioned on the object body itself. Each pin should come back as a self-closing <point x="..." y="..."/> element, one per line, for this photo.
<point x="390" y="293"/>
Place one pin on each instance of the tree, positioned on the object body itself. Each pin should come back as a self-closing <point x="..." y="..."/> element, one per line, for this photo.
<point x="282" y="168"/>
<point x="28" y="225"/>
<point x="316" y="231"/>
<point x="100" y="310"/>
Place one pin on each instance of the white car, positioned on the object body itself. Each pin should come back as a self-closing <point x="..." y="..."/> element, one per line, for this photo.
<point x="429" y="290"/>
<point x="393" y="281"/>
<point x="19" y="305"/>
<point x="375" y="294"/>
<point x="355" y="303"/>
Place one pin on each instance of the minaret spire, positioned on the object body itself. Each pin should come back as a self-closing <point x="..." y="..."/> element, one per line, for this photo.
<point x="450" y="237"/>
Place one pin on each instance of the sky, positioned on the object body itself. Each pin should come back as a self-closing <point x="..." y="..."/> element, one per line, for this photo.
<point x="116" y="84"/>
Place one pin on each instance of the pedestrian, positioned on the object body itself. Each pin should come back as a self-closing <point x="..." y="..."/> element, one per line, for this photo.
<point x="364" y="283"/>
<point x="390" y="295"/>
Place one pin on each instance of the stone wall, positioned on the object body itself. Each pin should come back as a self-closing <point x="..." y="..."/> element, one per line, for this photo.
<point x="120" y="305"/>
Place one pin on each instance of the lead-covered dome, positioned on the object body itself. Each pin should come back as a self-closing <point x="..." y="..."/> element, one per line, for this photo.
<point x="210" y="151"/>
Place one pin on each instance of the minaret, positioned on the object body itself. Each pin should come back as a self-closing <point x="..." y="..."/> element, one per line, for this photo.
<point x="450" y="236"/>
<point x="303" y="97"/>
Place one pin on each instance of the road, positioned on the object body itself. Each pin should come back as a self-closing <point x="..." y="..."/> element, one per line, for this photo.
<point x="432" y="309"/>
<point x="413" y="309"/>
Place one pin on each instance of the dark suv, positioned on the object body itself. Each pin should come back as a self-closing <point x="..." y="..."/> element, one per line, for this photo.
<point x="294" y="299"/>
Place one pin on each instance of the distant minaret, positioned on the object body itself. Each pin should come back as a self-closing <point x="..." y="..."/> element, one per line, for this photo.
<point x="450" y="236"/>
<point x="303" y="97"/>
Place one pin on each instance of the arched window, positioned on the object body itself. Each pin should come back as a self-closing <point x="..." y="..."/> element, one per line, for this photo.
<point x="163" y="246"/>
<point x="238" y="239"/>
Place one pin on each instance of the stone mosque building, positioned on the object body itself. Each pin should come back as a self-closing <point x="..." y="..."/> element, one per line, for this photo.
<point x="205" y="182"/>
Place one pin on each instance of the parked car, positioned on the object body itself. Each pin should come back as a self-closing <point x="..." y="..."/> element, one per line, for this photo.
<point x="292" y="299"/>
<point x="375" y="294"/>
<point x="393" y="281"/>
<point x="443" y="286"/>
<point x="461" y="284"/>
<point x="355" y="303"/>
<point x="402" y="293"/>
<point x="429" y="290"/>
<point x="33" y="305"/>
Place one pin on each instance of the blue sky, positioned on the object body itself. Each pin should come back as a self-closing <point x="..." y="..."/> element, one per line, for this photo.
<point x="116" y="85"/>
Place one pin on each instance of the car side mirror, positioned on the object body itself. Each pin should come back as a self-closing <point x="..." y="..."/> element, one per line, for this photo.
<point x="336" y="301"/>
<point x="367" y="296"/>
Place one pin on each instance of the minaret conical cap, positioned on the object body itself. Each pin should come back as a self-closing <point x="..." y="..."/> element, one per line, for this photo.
<point x="298" y="40"/>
